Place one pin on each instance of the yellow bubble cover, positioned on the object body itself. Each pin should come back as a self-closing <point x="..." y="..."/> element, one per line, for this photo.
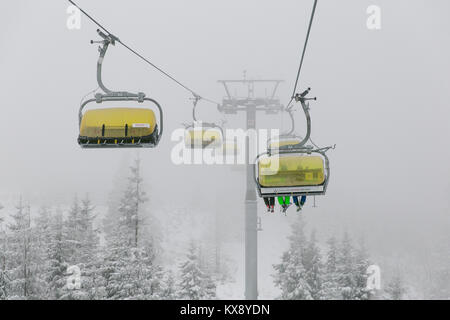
<point x="291" y="171"/>
<point x="203" y="136"/>
<point x="141" y="122"/>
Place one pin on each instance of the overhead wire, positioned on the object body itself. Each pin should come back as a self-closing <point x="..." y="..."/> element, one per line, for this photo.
<point x="109" y="33"/>
<point x="289" y="105"/>
<point x="303" y="53"/>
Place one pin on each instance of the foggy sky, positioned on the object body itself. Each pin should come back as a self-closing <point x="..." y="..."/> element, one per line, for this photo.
<point x="383" y="99"/>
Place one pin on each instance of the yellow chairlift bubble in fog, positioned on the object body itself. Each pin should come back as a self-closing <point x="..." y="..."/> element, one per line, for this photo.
<point x="292" y="174"/>
<point x="115" y="127"/>
<point x="203" y="137"/>
<point x="118" y="127"/>
<point x="291" y="171"/>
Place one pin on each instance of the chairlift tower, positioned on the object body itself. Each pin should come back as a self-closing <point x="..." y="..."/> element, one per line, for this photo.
<point x="250" y="104"/>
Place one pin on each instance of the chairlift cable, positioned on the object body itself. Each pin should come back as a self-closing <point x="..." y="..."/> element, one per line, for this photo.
<point x="303" y="53"/>
<point x="139" y="55"/>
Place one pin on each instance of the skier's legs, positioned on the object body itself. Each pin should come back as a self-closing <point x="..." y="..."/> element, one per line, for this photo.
<point x="281" y="201"/>
<point x="303" y="201"/>
<point x="267" y="203"/>
<point x="287" y="201"/>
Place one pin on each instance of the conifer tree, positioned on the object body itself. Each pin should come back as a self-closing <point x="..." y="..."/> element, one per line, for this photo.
<point x="396" y="289"/>
<point x="168" y="290"/>
<point x="115" y="194"/>
<point x="312" y="262"/>
<point x="41" y="236"/>
<point x="360" y="273"/>
<point x="291" y="275"/>
<point x="81" y="244"/>
<point x="19" y="252"/>
<point x="195" y="283"/>
<point x="132" y="202"/>
<point x="72" y="236"/>
<point x="116" y="257"/>
<point x="88" y="252"/>
<point x="345" y="268"/>
<point x="130" y="270"/>
<point x="56" y="272"/>
<point x="4" y="280"/>
<point x="331" y="285"/>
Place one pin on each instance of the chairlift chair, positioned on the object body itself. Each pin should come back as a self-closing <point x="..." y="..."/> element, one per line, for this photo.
<point x="202" y="135"/>
<point x="290" y="167"/>
<point x="294" y="172"/>
<point x="115" y="127"/>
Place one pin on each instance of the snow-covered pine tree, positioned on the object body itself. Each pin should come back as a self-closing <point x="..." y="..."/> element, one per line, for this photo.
<point x="19" y="254"/>
<point x="88" y="251"/>
<point x="146" y="275"/>
<point x="168" y="286"/>
<point x="72" y="236"/>
<point x="396" y="289"/>
<point x="141" y="284"/>
<point x="56" y="271"/>
<point x="290" y="274"/>
<point x="291" y="278"/>
<point x="362" y="262"/>
<point x="159" y="284"/>
<point x="195" y="283"/>
<point x="4" y="280"/>
<point x="312" y="262"/>
<point x="346" y="268"/>
<point x="41" y="237"/>
<point x="116" y="258"/>
<point x="130" y="206"/>
<point x="331" y="285"/>
<point x="112" y="214"/>
<point x="72" y="239"/>
<point x="80" y="248"/>
<point x="130" y="270"/>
